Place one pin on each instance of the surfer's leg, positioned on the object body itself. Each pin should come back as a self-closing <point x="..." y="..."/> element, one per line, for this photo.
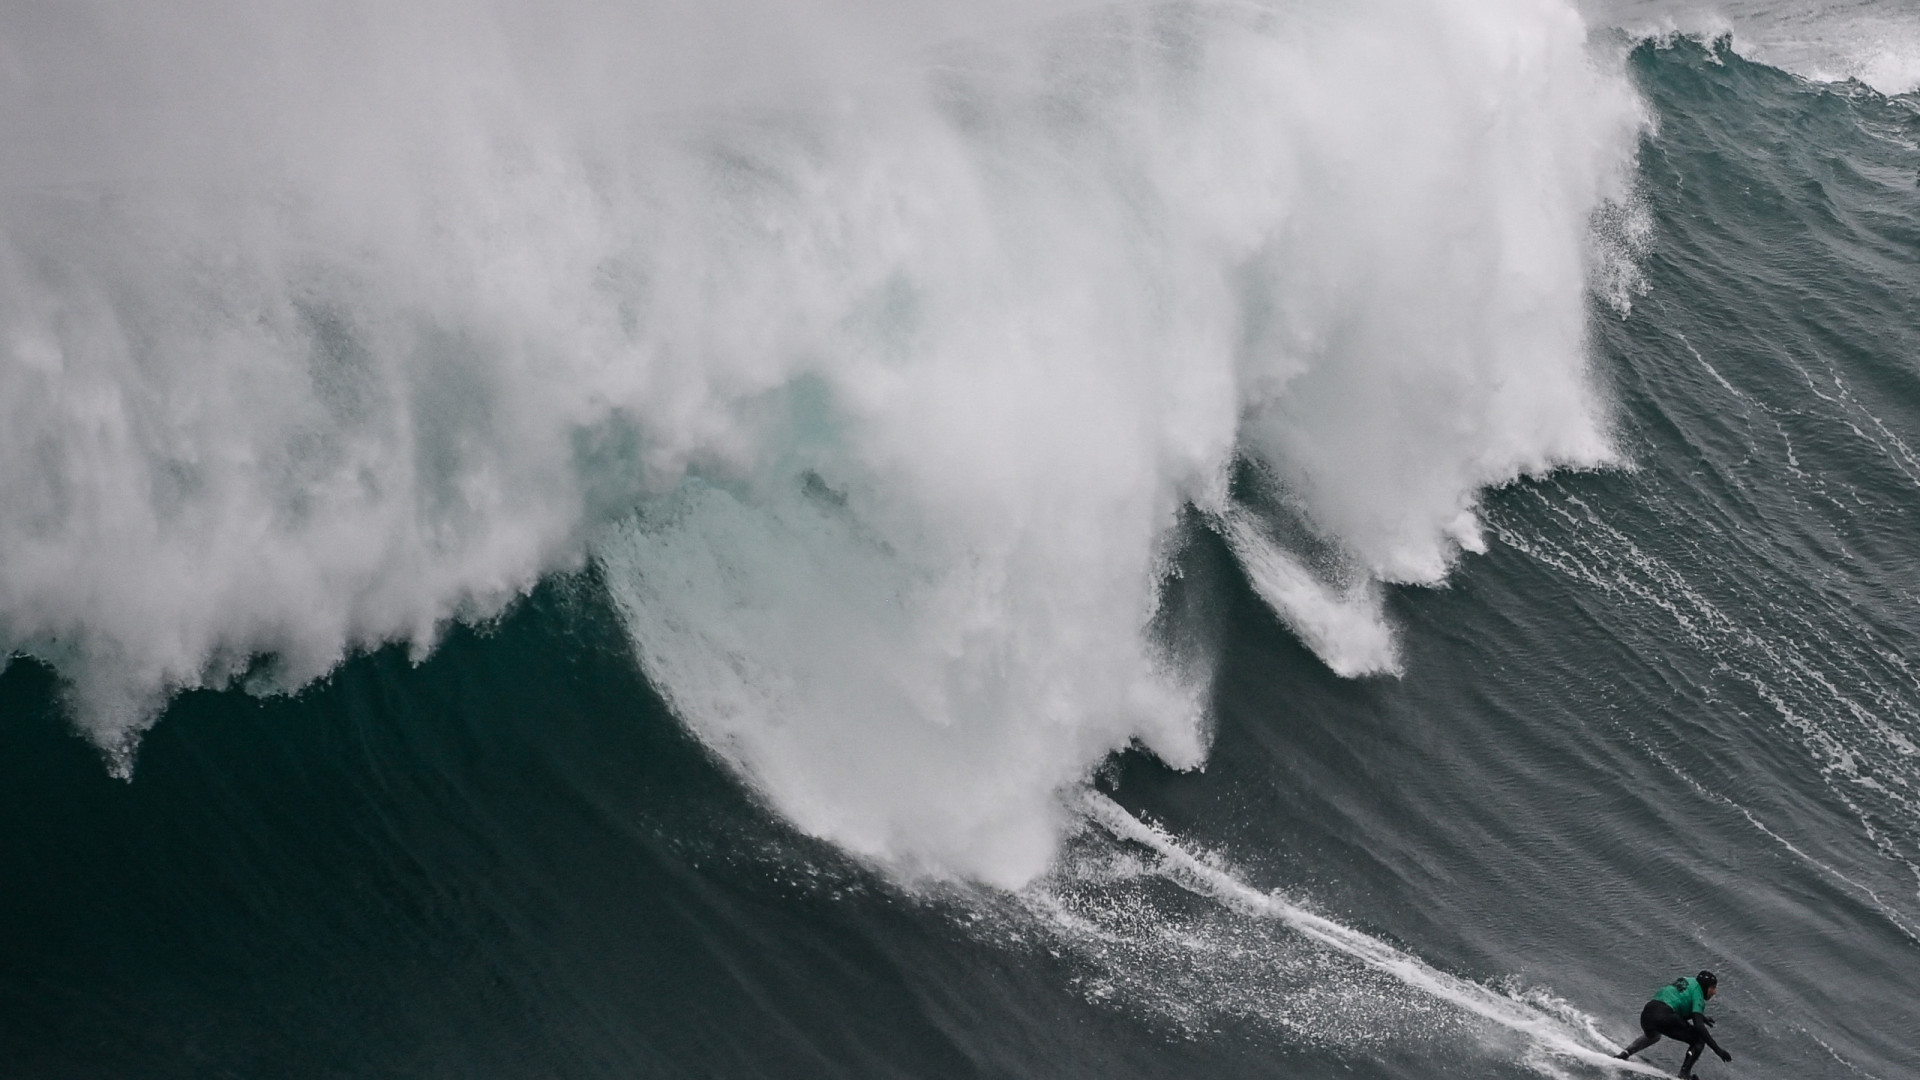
<point x="1645" y="1040"/>
<point x="1696" y="1041"/>
<point x="1649" y="1030"/>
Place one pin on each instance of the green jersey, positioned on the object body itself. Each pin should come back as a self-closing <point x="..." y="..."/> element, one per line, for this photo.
<point x="1684" y="997"/>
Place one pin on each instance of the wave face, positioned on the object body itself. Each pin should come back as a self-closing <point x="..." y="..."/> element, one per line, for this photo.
<point x="722" y="557"/>
<point x="336" y="324"/>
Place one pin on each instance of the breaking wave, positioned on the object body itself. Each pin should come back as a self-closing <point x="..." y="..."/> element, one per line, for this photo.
<point x="872" y="355"/>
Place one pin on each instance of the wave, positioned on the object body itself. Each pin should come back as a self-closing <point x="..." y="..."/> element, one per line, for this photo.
<point x="1873" y="42"/>
<point x="872" y="354"/>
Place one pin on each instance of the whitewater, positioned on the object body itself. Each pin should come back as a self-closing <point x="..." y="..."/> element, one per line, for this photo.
<point x="876" y="388"/>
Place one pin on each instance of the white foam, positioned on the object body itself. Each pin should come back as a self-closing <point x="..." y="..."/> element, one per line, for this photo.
<point x="907" y="330"/>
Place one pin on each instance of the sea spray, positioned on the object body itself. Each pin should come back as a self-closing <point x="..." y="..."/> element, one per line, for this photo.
<point x="873" y="358"/>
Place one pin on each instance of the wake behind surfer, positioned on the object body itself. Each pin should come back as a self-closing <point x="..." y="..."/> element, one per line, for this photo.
<point x="1679" y="1011"/>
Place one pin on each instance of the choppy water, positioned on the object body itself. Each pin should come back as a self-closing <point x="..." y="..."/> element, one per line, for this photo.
<point x="1186" y="540"/>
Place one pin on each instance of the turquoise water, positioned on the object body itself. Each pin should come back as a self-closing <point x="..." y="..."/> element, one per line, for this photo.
<point x="1665" y="720"/>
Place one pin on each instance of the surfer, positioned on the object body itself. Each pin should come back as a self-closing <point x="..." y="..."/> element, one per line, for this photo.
<point x="1679" y="1011"/>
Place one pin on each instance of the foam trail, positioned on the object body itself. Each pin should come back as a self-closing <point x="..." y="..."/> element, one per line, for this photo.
<point x="1582" y="1042"/>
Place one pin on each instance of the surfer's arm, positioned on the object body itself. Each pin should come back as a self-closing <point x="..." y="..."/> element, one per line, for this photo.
<point x="1714" y="1046"/>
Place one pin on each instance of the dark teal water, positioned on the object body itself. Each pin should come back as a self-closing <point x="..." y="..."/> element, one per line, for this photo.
<point x="1668" y="721"/>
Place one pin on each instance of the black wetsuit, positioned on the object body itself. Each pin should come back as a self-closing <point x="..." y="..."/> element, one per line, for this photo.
<point x="1658" y="1019"/>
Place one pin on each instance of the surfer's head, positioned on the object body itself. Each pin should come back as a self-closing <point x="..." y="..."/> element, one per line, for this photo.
<point x="1708" y="982"/>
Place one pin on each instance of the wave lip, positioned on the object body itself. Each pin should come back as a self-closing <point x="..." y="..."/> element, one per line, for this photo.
<point x="1873" y="42"/>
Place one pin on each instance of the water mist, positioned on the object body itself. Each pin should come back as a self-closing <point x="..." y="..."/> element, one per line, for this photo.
<point x="871" y="350"/>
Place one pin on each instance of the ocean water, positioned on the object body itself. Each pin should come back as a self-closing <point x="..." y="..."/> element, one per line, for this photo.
<point x="1048" y="540"/>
